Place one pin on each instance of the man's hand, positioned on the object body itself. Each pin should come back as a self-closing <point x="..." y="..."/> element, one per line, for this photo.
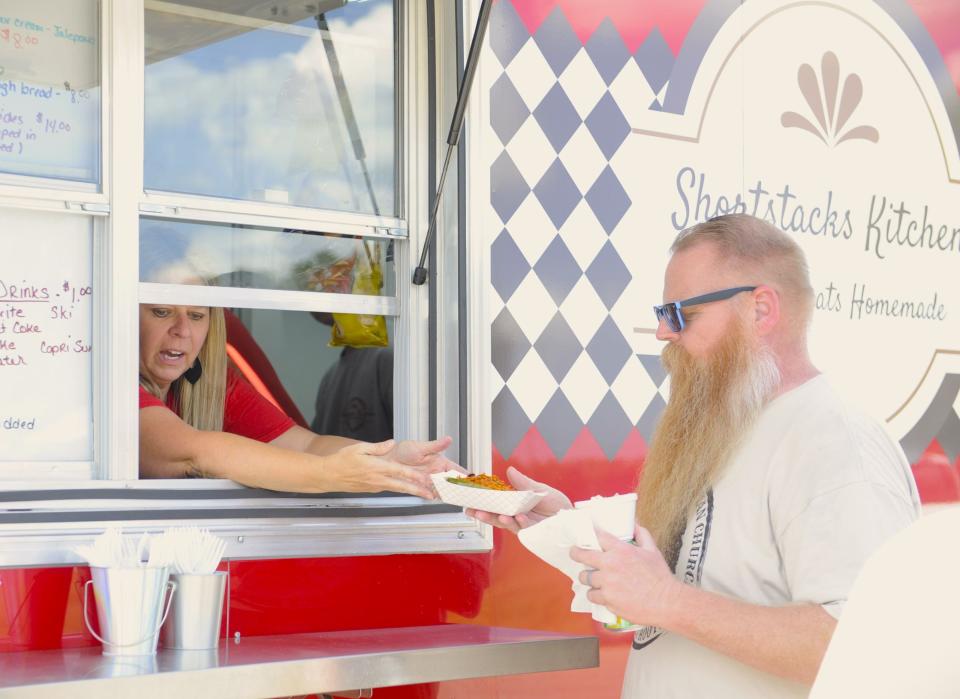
<point x="549" y="505"/>
<point x="633" y="582"/>
<point x="425" y="456"/>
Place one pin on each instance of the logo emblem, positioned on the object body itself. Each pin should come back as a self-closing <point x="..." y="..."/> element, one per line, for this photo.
<point x="830" y="105"/>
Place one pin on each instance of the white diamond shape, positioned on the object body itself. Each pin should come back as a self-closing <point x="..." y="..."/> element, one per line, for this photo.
<point x="531" y="306"/>
<point x="495" y="382"/>
<point x="631" y="166"/>
<point x="633" y="389"/>
<point x="632" y="311"/>
<point x="583" y="158"/>
<point x="632" y="92"/>
<point x="664" y="389"/>
<point x="583" y="235"/>
<point x="531" y="229"/>
<point x="584" y="386"/>
<point x="531" y="152"/>
<point x="532" y="385"/>
<point x="583" y="310"/>
<point x="631" y="246"/>
<point x="582" y="83"/>
<point x="531" y="74"/>
<point x="493" y="301"/>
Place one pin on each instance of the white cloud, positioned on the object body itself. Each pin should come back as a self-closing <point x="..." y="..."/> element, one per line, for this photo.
<point x="274" y="122"/>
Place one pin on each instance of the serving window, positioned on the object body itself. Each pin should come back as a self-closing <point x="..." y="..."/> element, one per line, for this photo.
<point x="272" y="159"/>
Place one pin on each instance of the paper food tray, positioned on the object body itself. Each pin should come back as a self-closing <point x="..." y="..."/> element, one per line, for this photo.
<point x="503" y="502"/>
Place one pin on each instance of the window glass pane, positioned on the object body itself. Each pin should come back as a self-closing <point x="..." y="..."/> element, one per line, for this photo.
<point x="177" y="252"/>
<point x="273" y="102"/>
<point x="45" y="336"/>
<point x="347" y="391"/>
<point x="280" y="363"/>
<point x="50" y="88"/>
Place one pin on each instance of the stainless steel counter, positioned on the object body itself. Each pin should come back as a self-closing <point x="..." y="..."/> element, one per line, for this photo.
<point x="274" y="666"/>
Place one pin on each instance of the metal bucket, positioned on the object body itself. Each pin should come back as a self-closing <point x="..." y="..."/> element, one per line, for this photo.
<point x="190" y="659"/>
<point x="129" y="605"/>
<point x="196" y="612"/>
<point x="123" y="666"/>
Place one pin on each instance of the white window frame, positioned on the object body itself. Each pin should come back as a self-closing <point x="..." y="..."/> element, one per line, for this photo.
<point x="41" y="528"/>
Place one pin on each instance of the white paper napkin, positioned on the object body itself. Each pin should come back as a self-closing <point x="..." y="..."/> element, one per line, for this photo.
<point x="551" y="540"/>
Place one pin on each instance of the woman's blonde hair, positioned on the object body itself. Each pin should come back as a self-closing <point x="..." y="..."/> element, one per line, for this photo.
<point x="201" y="405"/>
<point x="761" y="251"/>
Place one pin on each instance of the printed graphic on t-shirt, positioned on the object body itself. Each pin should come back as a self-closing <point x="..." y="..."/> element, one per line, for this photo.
<point x="697" y="553"/>
<point x="355" y="414"/>
<point x="692" y="562"/>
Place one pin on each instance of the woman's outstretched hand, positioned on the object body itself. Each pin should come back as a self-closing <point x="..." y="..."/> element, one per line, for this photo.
<point x="399" y="467"/>
<point x="549" y="505"/>
<point x="426" y="456"/>
<point x="368" y="468"/>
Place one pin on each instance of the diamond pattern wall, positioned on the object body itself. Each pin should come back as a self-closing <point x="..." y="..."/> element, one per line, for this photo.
<point x="559" y="110"/>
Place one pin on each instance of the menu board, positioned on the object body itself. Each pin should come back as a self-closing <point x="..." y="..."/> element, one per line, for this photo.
<point x="46" y="343"/>
<point x="50" y="88"/>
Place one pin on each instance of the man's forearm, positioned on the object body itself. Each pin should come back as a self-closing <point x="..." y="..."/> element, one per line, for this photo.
<point x="785" y="641"/>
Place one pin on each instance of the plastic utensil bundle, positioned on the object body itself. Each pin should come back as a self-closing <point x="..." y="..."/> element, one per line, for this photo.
<point x="194" y="551"/>
<point x="189" y="550"/>
<point x="114" y="550"/>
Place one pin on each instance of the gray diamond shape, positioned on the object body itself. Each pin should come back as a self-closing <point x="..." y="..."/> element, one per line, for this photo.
<point x="655" y="59"/>
<point x="608" y="200"/>
<point x="949" y="436"/>
<point x="508" y="189"/>
<point x="509" y="423"/>
<point x="609" y="350"/>
<point x="607" y="125"/>
<point x="608" y="275"/>
<point x="558" y="193"/>
<point x="557" y="41"/>
<point x="609" y="425"/>
<point x="654" y="366"/>
<point x="508" y="266"/>
<point x="559" y="424"/>
<point x="607" y="51"/>
<point x="508" y="33"/>
<point x="508" y="344"/>
<point x="558" y="271"/>
<point x="647" y="424"/>
<point x="557" y="117"/>
<point x="558" y="347"/>
<point x="508" y="111"/>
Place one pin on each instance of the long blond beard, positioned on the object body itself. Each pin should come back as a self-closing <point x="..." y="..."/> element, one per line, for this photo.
<point x="713" y="403"/>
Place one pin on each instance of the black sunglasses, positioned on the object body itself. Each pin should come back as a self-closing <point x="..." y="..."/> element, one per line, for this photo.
<point x="672" y="313"/>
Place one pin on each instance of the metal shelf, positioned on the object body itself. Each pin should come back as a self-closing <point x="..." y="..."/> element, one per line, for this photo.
<point x="271" y="666"/>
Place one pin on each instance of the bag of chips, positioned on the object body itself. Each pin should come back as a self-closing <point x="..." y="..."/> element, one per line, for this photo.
<point x="358" y="330"/>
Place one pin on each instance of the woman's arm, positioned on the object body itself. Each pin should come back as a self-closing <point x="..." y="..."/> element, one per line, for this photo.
<point x="302" y="439"/>
<point x="169" y="448"/>
<point x="426" y="456"/>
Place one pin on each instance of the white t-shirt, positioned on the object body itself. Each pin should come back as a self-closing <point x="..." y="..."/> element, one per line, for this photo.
<point x="814" y="489"/>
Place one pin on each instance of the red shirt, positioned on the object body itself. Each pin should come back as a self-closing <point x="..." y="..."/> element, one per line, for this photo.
<point x="246" y="412"/>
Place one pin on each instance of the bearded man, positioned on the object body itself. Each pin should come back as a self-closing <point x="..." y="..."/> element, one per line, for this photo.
<point x="762" y="494"/>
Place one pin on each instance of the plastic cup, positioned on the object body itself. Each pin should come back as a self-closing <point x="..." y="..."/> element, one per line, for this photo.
<point x="615" y="514"/>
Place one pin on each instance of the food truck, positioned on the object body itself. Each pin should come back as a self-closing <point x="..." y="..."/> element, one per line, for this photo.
<point x="283" y="160"/>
